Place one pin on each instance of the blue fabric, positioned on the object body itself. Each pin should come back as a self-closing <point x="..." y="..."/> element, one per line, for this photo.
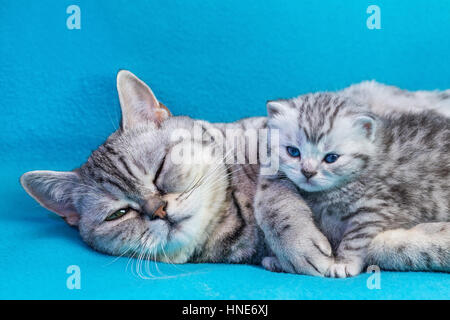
<point x="215" y="60"/>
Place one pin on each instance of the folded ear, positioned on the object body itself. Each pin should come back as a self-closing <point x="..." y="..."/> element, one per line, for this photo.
<point x="277" y="108"/>
<point x="367" y="124"/>
<point x="137" y="101"/>
<point x="280" y="114"/>
<point x="53" y="190"/>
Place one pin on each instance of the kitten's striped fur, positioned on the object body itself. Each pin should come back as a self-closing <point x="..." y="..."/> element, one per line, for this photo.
<point x="385" y="201"/>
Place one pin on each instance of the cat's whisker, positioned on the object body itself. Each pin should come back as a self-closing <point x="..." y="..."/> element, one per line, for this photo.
<point x="114" y="124"/>
<point x="187" y="188"/>
<point x="190" y="188"/>
<point x="168" y="259"/>
<point x="217" y="183"/>
<point x="142" y="251"/>
<point x="147" y="256"/>
<point x="118" y="257"/>
<point x="155" y="252"/>
<point x="132" y="257"/>
<point x="206" y="177"/>
<point x="209" y="172"/>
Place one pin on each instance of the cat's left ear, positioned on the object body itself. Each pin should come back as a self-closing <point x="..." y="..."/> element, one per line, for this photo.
<point x="53" y="190"/>
<point x="279" y="113"/>
<point x="137" y="101"/>
<point x="367" y="124"/>
<point x="277" y="108"/>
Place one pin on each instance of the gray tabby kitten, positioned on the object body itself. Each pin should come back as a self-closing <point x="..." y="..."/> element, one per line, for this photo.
<point x="130" y="199"/>
<point x="354" y="188"/>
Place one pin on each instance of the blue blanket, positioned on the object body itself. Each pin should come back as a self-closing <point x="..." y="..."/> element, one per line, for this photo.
<point x="214" y="60"/>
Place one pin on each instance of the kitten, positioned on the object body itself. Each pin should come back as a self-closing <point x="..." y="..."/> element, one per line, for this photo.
<point x="130" y="197"/>
<point x="355" y="188"/>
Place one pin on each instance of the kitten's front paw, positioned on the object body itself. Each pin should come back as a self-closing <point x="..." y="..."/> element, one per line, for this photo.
<point x="319" y="256"/>
<point x="344" y="269"/>
<point x="271" y="264"/>
<point x="321" y="245"/>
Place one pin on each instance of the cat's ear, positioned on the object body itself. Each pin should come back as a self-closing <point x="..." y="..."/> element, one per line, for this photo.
<point x="367" y="125"/>
<point x="137" y="101"/>
<point x="53" y="190"/>
<point x="277" y="108"/>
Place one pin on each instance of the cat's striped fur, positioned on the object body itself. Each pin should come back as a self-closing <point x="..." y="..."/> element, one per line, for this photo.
<point x="176" y="212"/>
<point x="385" y="201"/>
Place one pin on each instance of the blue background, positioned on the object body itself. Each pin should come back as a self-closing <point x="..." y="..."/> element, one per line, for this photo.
<point x="214" y="60"/>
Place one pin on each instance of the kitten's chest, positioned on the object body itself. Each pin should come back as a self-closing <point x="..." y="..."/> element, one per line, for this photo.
<point x="329" y="209"/>
<point x="328" y="219"/>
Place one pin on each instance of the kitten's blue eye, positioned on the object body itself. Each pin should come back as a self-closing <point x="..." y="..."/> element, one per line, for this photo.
<point x="293" y="152"/>
<point x="117" y="214"/>
<point x="331" y="157"/>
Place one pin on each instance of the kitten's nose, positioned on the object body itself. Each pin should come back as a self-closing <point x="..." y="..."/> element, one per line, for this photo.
<point x="308" y="174"/>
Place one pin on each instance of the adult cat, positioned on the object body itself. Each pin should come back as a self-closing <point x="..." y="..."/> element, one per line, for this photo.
<point x="133" y="196"/>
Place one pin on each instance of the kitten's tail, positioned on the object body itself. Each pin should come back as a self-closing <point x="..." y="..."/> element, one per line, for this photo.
<point x="426" y="247"/>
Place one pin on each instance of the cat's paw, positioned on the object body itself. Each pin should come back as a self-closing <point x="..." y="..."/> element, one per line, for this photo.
<point x="318" y="257"/>
<point x="344" y="269"/>
<point x="321" y="245"/>
<point x="310" y="260"/>
<point x="312" y="257"/>
<point x="315" y="264"/>
<point x="271" y="264"/>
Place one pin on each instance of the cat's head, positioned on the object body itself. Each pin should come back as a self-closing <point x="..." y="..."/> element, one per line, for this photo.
<point x="131" y="197"/>
<point x="325" y="139"/>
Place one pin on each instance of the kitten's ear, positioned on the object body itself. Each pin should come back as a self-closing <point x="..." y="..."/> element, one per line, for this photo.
<point x="277" y="107"/>
<point x="53" y="190"/>
<point x="137" y="101"/>
<point x="367" y="124"/>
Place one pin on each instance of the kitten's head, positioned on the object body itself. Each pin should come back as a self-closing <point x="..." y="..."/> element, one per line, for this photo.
<point x="131" y="197"/>
<point x="325" y="139"/>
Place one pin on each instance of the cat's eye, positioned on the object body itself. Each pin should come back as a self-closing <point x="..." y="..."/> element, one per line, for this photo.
<point x="157" y="173"/>
<point x="117" y="214"/>
<point x="331" y="157"/>
<point x="293" y="152"/>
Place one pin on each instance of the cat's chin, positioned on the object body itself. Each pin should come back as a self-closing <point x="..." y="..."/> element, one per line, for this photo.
<point x="312" y="186"/>
<point x="160" y="230"/>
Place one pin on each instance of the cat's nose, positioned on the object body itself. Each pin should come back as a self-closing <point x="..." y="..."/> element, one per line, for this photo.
<point x="161" y="211"/>
<point x="308" y="174"/>
<point x="155" y="208"/>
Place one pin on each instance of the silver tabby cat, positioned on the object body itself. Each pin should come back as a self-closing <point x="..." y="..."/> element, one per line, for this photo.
<point x="130" y="199"/>
<point x="356" y="189"/>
